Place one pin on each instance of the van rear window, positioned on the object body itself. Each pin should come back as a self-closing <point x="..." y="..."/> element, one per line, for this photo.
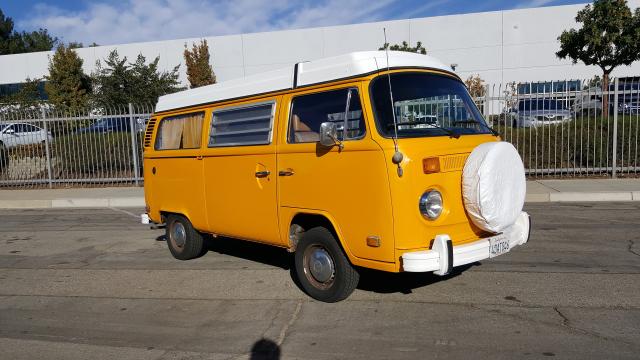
<point x="180" y="132"/>
<point x="248" y="125"/>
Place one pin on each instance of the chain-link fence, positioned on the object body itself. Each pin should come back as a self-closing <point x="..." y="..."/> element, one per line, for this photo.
<point x="44" y="147"/>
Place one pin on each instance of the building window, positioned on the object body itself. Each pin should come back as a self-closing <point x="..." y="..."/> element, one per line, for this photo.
<point x="246" y="125"/>
<point x="180" y="132"/>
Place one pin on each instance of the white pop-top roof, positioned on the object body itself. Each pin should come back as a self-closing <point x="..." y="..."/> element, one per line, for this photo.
<point x="311" y="72"/>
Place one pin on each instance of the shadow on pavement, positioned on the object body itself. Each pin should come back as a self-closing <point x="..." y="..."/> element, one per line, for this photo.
<point x="370" y="280"/>
<point x="387" y="283"/>
<point x="265" y="349"/>
<point x="266" y="254"/>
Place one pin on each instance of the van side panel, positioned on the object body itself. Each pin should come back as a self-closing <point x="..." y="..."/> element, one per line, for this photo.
<point x="177" y="187"/>
<point x="240" y="183"/>
<point x="173" y="181"/>
<point x="350" y="185"/>
<point x="239" y="204"/>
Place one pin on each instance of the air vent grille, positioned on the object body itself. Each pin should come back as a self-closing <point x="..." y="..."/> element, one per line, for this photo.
<point x="453" y="162"/>
<point x="148" y="134"/>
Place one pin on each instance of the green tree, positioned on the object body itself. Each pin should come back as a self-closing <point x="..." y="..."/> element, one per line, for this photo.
<point x="67" y="85"/>
<point x="609" y="37"/>
<point x="6" y="30"/>
<point x="29" y="93"/>
<point x="119" y="82"/>
<point x="13" y="42"/>
<point x="199" y="71"/>
<point x="405" y="47"/>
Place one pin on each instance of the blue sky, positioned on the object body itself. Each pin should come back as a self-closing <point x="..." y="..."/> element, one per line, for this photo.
<point x="123" y="21"/>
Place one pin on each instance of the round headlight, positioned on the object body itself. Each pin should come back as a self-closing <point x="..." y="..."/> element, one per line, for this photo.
<point x="431" y="204"/>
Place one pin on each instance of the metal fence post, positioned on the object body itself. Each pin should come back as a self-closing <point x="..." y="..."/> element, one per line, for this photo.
<point x="43" y="113"/>
<point x="485" y="109"/>
<point x="615" y="126"/>
<point x="134" y="146"/>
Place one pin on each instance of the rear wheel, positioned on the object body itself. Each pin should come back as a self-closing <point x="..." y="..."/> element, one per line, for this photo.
<point x="322" y="268"/>
<point x="183" y="240"/>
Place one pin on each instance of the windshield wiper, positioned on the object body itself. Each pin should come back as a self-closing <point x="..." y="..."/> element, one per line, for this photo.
<point x="494" y="132"/>
<point x="449" y="132"/>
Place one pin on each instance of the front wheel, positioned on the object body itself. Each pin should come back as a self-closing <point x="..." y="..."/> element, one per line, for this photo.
<point x="322" y="268"/>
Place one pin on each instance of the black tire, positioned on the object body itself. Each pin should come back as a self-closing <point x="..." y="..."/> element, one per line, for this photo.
<point x="343" y="279"/>
<point x="183" y="240"/>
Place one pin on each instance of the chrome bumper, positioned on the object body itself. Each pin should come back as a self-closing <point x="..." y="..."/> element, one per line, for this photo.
<point x="443" y="257"/>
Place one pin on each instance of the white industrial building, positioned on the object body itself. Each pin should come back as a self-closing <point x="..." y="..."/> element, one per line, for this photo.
<point x="500" y="46"/>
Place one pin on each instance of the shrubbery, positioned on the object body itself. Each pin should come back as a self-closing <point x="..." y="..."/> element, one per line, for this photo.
<point x="4" y="158"/>
<point x="93" y="154"/>
<point x="580" y="143"/>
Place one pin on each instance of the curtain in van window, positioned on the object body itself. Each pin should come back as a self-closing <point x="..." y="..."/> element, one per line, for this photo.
<point x="171" y="134"/>
<point x="192" y="131"/>
<point x="180" y="132"/>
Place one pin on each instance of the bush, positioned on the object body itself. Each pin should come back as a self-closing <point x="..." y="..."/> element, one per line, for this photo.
<point x="95" y="154"/>
<point x="580" y="143"/>
<point x="4" y="158"/>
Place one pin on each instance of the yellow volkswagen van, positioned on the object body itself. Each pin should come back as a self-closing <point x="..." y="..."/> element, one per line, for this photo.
<point x="367" y="160"/>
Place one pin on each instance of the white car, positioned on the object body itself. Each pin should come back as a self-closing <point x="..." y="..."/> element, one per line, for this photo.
<point x="15" y="134"/>
<point x="540" y="112"/>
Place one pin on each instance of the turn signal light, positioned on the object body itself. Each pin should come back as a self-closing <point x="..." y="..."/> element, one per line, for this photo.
<point x="431" y="165"/>
<point x="373" y="241"/>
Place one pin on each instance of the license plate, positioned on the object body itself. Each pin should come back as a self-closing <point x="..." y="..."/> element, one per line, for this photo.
<point x="498" y="246"/>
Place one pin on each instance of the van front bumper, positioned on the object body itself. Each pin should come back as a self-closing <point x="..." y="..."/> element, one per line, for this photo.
<point x="443" y="256"/>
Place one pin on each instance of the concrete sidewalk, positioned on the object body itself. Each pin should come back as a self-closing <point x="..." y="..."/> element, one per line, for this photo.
<point x="537" y="191"/>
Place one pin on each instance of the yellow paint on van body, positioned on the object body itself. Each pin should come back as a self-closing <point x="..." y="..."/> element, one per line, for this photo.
<point x="356" y="189"/>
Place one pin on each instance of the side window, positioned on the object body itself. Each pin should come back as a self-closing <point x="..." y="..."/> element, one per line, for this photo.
<point x="308" y="112"/>
<point x="180" y="132"/>
<point x="247" y="125"/>
<point x="18" y="128"/>
<point x="30" y="128"/>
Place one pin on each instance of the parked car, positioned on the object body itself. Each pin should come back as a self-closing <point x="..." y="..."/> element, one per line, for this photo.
<point x="16" y="133"/>
<point x="632" y="108"/>
<point x="589" y="102"/>
<point x="536" y="112"/>
<point x="107" y="125"/>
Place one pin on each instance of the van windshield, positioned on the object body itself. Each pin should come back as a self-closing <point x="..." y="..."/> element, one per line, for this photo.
<point x="425" y="104"/>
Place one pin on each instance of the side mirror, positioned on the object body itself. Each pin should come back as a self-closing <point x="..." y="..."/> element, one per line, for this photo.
<point x="328" y="134"/>
<point x="10" y="131"/>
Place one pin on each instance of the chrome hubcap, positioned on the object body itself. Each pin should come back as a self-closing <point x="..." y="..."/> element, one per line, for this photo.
<point x="178" y="235"/>
<point x="321" y="265"/>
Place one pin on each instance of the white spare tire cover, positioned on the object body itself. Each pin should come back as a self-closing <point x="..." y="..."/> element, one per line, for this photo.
<point x="494" y="186"/>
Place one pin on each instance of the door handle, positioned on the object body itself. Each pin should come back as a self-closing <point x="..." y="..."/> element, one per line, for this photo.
<point x="199" y="157"/>
<point x="287" y="172"/>
<point x="263" y="174"/>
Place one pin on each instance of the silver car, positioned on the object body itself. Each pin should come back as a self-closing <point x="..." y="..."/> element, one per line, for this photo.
<point x="535" y="112"/>
<point x="15" y="133"/>
<point x="632" y="108"/>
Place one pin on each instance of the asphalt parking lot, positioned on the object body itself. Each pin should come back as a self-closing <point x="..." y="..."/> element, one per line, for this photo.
<point x="78" y="284"/>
